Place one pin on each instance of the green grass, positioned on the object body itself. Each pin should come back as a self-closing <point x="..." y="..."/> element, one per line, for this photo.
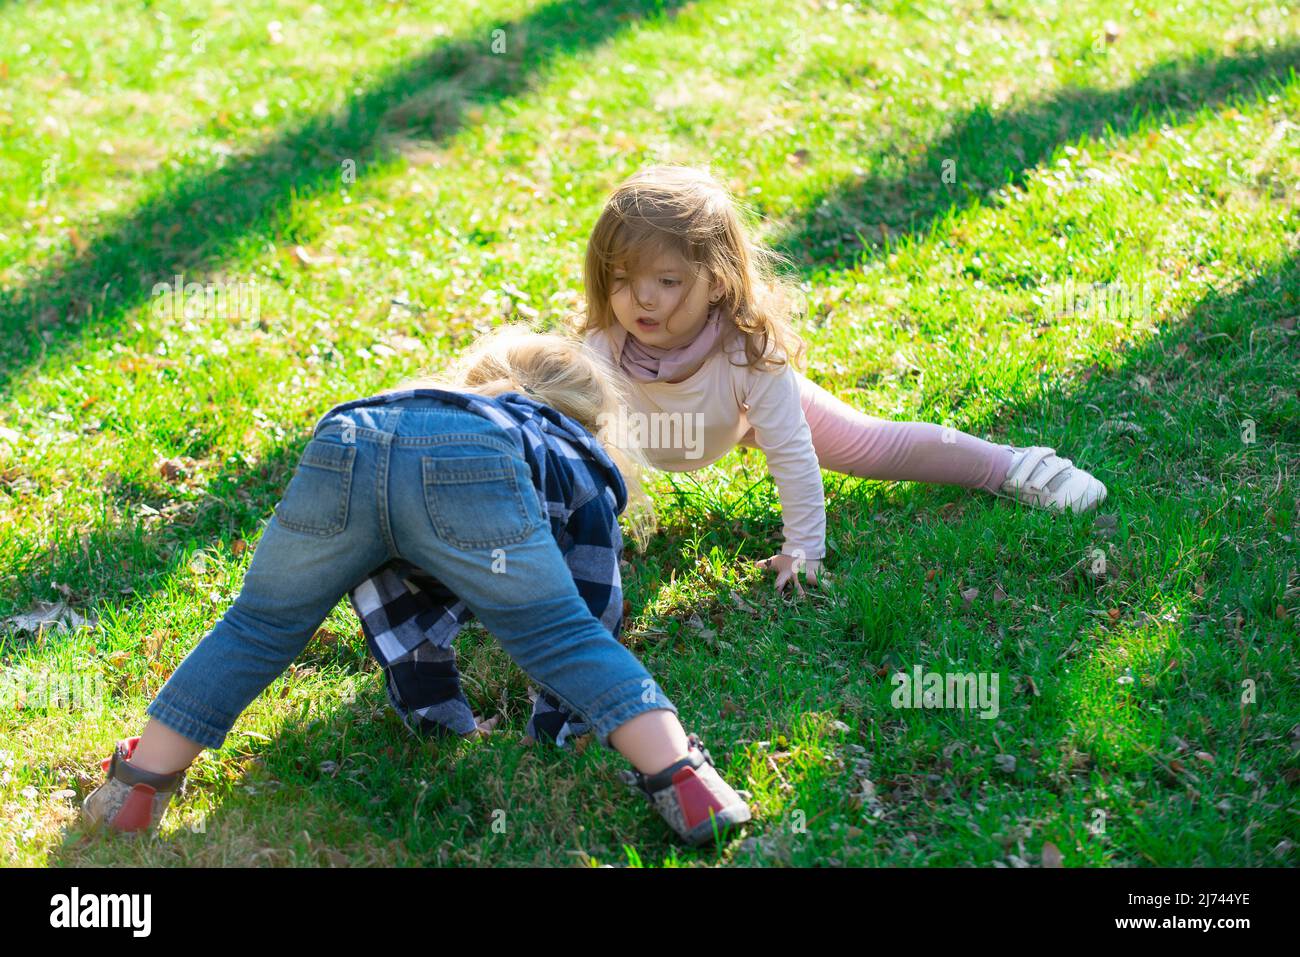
<point x="1168" y="160"/>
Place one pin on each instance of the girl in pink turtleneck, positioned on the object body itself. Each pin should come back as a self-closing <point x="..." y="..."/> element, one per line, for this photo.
<point x="685" y="304"/>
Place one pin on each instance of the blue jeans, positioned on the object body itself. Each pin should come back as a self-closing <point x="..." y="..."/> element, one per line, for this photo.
<point x="447" y="490"/>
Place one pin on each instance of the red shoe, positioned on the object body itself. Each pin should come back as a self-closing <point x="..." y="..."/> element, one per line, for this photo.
<point x="132" y="799"/>
<point x="692" y="797"/>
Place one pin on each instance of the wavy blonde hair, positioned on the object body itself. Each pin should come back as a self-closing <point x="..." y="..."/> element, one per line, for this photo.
<point x="558" y="372"/>
<point x="688" y="212"/>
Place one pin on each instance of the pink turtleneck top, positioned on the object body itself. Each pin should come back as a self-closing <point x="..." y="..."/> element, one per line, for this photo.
<point x="692" y="423"/>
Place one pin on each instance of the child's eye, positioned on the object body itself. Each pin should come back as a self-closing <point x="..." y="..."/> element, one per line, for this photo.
<point x="672" y="282"/>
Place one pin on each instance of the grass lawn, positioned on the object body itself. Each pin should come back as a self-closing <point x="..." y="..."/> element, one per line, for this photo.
<point x="393" y="179"/>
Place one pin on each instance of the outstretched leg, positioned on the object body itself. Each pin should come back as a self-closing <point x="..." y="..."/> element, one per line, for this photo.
<point x="320" y="543"/>
<point x="861" y="445"/>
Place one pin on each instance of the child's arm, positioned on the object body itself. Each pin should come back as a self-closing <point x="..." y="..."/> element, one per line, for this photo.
<point x="592" y="545"/>
<point x="409" y="621"/>
<point x="771" y="400"/>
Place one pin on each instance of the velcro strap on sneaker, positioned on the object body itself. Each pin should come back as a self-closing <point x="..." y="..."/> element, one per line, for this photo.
<point x="124" y="771"/>
<point x="650" y="783"/>
<point x="1054" y="470"/>
<point x="1060" y="475"/>
<point x="1028" y="464"/>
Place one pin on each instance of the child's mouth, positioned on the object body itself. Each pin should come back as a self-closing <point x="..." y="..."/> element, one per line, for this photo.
<point x="644" y="323"/>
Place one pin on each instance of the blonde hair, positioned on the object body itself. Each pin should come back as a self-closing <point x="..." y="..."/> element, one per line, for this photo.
<point x="686" y="211"/>
<point x="558" y="372"/>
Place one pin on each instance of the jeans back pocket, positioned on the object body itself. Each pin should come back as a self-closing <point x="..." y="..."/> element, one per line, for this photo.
<point x="316" y="502"/>
<point x="479" y="501"/>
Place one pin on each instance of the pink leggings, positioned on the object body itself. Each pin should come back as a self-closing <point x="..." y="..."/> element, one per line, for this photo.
<point x="854" y="443"/>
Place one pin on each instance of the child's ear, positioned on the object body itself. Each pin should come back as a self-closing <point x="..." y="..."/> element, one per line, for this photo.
<point x="717" y="290"/>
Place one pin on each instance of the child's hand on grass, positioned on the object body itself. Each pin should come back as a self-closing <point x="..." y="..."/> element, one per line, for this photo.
<point x="484" y="727"/>
<point x="787" y="569"/>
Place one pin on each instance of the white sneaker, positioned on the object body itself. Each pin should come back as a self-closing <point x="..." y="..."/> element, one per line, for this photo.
<point x="1039" y="477"/>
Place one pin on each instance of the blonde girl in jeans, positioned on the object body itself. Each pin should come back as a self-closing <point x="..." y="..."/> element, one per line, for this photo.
<point x="461" y="483"/>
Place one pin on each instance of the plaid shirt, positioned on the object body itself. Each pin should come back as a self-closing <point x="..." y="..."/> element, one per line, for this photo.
<point x="409" y="618"/>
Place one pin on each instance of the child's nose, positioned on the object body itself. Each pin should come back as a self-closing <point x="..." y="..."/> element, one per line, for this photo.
<point x="645" y="294"/>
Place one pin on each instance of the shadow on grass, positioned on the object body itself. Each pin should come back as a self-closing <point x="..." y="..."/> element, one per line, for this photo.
<point x="192" y="227"/>
<point x="993" y="149"/>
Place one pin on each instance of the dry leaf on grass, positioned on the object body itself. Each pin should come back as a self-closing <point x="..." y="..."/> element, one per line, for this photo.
<point x="45" y="617"/>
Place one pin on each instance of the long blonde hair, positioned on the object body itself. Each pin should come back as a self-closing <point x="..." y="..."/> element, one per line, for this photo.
<point x="688" y="212"/>
<point x="558" y="372"/>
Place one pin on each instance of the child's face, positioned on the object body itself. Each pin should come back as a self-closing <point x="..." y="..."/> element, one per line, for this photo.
<point x="655" y="306"/>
